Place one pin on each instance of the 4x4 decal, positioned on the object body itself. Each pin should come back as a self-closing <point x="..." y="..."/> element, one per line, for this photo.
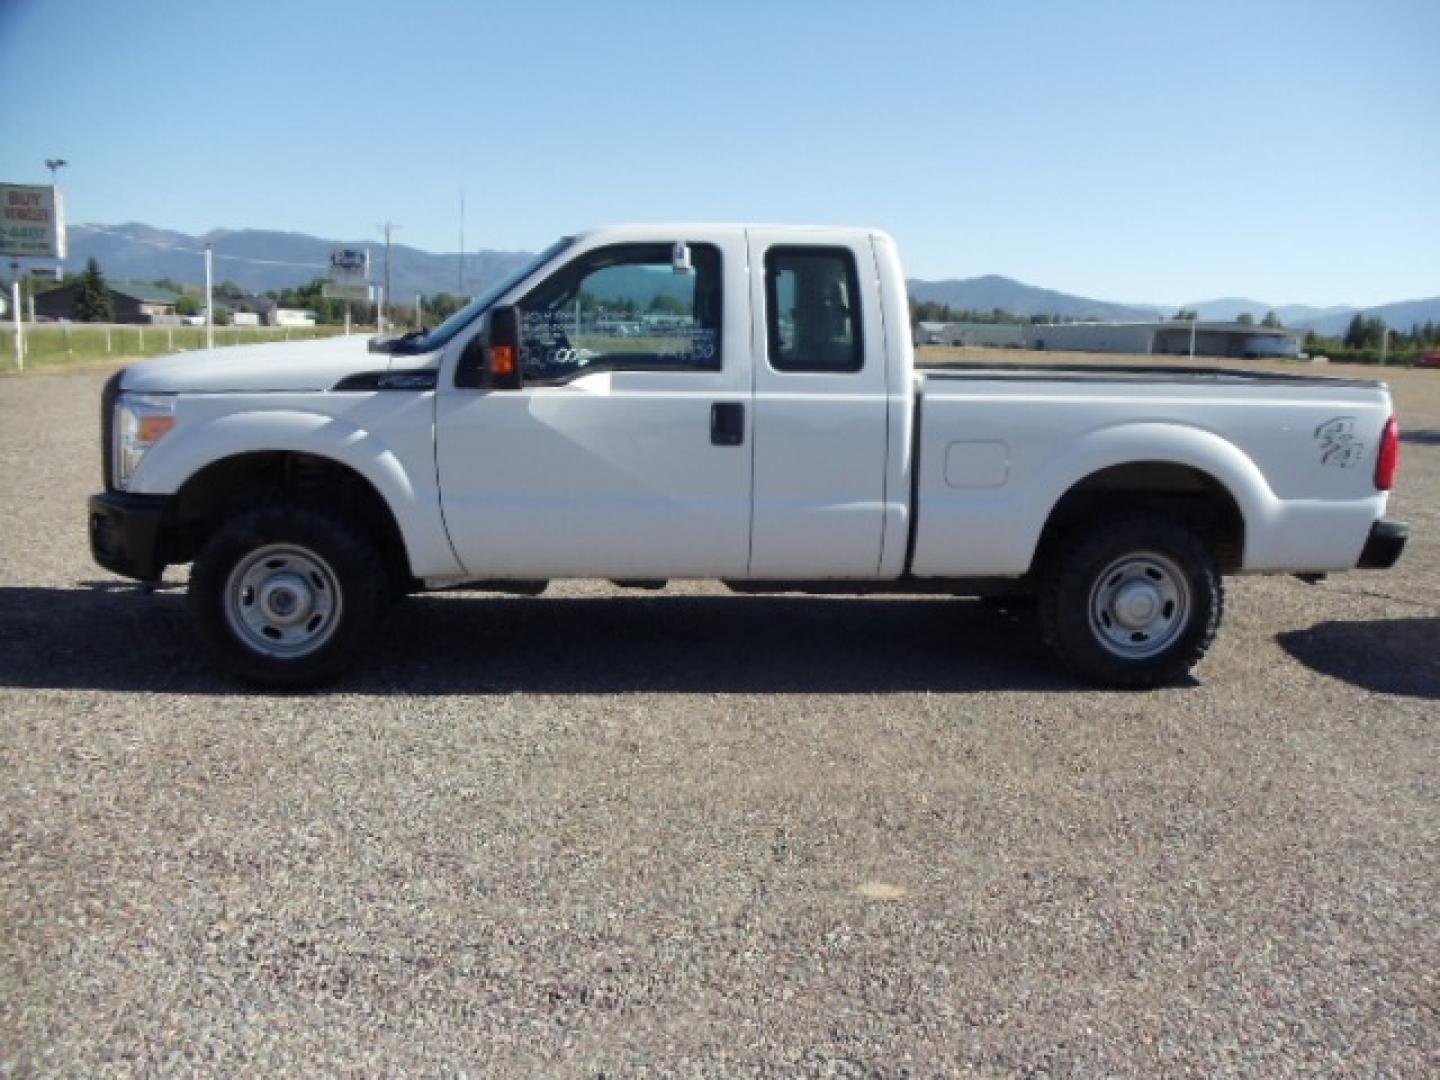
<point x="1338" y="444"/>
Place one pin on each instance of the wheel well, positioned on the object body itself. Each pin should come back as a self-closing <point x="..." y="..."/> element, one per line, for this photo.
<point x="1193" y="497"/>
<point x="228" y="486"/>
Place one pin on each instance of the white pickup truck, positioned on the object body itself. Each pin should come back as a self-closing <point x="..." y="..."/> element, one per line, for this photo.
<point x="644" y="403"/>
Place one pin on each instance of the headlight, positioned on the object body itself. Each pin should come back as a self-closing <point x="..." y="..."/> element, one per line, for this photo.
<point x="141" y="420"/>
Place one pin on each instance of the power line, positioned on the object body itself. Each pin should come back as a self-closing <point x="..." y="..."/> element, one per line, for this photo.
<point x="198" y="251"/>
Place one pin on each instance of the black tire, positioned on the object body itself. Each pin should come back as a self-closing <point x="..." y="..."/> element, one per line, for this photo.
<point x="264" y="554"/>
<point x="1103" y="582"/>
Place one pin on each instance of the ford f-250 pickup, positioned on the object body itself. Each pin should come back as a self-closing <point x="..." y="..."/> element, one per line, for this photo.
<point x="644" y="403"/>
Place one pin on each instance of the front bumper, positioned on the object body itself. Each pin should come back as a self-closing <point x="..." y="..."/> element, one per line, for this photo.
<point x="1382" y="550"/>
<point x="126" y="533"/>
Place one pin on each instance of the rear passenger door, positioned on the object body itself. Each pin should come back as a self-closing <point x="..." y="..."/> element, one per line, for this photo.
<point x="820" y="428"/>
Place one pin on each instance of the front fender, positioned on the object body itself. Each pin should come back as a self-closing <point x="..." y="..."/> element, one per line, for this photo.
<point x="410" y="494"/>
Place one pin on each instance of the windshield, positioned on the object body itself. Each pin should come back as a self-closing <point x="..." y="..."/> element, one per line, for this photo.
<point x="440" y="335"/>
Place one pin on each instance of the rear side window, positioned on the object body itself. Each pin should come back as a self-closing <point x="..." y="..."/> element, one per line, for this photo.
<point x="812" y="297"/>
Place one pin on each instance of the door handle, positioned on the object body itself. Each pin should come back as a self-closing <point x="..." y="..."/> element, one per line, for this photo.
<point x="727" y="423"/>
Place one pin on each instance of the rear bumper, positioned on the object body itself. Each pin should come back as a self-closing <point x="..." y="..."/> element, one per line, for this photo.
<point x="126" y="531"/>
<point x="1386" y="542"/>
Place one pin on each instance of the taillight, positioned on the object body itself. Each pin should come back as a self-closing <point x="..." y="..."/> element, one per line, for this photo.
<point x="1388" y="463"/>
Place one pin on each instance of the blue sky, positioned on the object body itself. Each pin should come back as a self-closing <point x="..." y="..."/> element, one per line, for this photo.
<point x="1157" y="152"/>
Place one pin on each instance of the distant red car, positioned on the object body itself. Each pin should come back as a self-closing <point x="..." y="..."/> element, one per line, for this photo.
<point x="1429" y="359"/>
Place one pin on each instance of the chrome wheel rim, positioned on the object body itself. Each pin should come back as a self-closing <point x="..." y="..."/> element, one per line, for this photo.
<point x="283" y="600"/>
<point x="1139" y="605"/>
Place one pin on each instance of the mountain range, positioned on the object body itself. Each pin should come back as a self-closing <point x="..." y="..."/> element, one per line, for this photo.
<point x="992" y="291"/>
<point x="1328" y="321"/>
<point x="259" y="260"/>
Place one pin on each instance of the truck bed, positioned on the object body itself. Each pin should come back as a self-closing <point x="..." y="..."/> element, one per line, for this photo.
<point x="1003" y="444"/>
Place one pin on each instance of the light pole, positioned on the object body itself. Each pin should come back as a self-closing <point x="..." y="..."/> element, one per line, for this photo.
<point x="1384" y="342"/>
<point x="55" y="164"/>
<point x="15" y="300"/>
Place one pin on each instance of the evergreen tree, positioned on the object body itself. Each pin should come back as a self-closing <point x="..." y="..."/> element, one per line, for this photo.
<point x="94" y="302"/>
<point x="1355" y="332"/>
<point x="1245" y="319"/>
<point x="1271" y="320"/>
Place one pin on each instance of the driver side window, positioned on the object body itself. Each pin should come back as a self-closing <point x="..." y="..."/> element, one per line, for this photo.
<point x="623" y="308"/>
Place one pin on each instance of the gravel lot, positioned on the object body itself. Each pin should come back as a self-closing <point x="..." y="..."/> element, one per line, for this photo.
<point x="614" y="833"/>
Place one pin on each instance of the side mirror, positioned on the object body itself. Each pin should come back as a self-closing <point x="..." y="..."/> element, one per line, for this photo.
<point x="503" y="349"/>
<point x="680" y="258"/>
<point x="491" y="360"/>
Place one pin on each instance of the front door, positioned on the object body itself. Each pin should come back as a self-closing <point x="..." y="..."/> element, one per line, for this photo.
<point x="627" y="452"/>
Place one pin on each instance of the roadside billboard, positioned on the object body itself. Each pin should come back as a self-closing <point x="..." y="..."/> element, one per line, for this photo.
<point x="340" y="290"/>
<point x="349" y="264"/>
<point x="32" y="222"/>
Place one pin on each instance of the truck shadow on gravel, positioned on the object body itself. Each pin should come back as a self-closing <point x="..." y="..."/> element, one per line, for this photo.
<point x="1421" y="437"/>
<point x="104" y="638"/>
<point x="1388" y="656"/>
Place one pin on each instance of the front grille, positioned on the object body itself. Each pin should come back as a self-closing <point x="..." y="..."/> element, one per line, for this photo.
<point x="108" y="395"/>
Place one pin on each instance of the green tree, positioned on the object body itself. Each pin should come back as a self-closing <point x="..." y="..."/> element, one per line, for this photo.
<point x="187" y="305"/>
<point x="441" y="306"/>
<point x="1271" y="320"/>
<point x="667" y="305"/>
<point x="94" y="302"/>
<point x="1355" y="332"/>
<point x="1186" y="315"/>
<point x="307" y="298"/>
<point x="1245" y="319"/>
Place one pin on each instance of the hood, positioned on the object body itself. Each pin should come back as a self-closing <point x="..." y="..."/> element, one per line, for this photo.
<point x="274" y="366"/>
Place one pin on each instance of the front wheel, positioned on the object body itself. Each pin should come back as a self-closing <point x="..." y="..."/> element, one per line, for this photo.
<point x="288" y="596"/>
<point x="1131" y="601"/>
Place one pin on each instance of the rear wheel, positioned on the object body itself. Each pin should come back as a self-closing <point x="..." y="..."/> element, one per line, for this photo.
<point x="288" y="596"/>
<point x="1131" y="601"/>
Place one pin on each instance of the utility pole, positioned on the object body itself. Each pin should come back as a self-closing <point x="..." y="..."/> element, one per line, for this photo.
<point x="1194" y="318"/>
<point x="1384" y="342"/>
<point x="385" y="296"/>
<point x="460" y="259"/>
<point x="55" y="164"/>
<point x="209" y="298"/>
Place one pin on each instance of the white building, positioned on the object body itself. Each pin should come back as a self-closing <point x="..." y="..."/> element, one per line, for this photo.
<point x="279" y="316"/>
<point x="990" y="335"/>
<point x="1167" y="338"/>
